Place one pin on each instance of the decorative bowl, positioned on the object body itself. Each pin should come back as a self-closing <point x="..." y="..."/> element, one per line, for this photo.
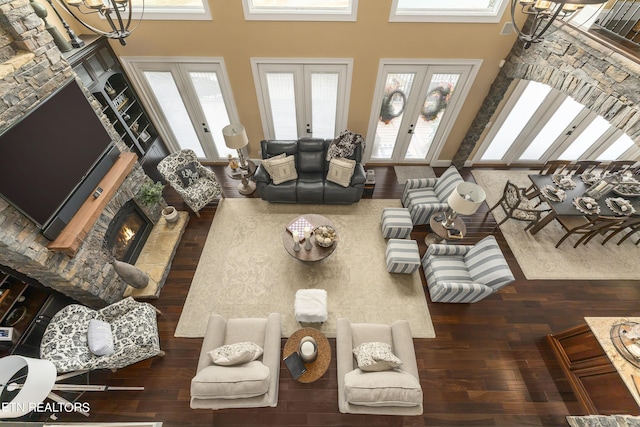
<point x="325" y="235"/>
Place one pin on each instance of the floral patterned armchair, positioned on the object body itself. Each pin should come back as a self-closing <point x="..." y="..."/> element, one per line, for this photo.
<point x="196" y="184"/>
<point x="134" y="329"/>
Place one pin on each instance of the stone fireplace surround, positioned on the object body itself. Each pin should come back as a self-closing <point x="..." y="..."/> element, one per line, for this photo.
<point x="31" y="68"/>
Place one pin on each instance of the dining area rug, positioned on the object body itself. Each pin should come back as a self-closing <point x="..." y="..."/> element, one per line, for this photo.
<point x="245" y="271"/>
<point x="537" y="255"/>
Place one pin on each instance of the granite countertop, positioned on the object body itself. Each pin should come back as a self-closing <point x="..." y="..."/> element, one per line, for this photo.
<point x="601" y="328"/>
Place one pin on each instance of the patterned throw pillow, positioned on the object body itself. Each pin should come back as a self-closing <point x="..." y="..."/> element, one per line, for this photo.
<point x="236" y="354"/>
<point x="283" y="169"/>
<point x="376" y="356"/>
<point x="341" y="171"/>
<point x="188" y="174"/>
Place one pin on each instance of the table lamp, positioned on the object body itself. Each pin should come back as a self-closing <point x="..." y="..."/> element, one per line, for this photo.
<point x="464" y="200"/>
<point x="235" y="137"/>
<point x="33" y="386"/>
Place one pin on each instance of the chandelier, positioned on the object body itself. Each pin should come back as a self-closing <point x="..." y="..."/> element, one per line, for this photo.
<point x="117" y="13"/>
<point x="542" y="14"/>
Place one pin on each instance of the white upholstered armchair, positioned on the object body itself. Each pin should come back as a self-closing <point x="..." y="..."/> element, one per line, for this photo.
<point x="465" y="273"/>
<point x="196" y="184"/>
<point x="134" y="332"/>
<point x="426" y="196"/>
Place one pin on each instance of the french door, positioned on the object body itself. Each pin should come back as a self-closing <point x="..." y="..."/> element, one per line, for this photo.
<point x="539" y="123"/>
<point x="191" y="102"/>
<point x="415" y="106"/>
<point x="302" y="98"/>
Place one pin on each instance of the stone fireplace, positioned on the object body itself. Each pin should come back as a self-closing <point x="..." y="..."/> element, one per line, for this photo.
<point x="127" y="232"/>
<point x="31" y="68"/>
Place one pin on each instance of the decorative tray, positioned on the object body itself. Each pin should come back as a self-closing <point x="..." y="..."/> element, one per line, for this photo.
<point x="563" y="181"/>
<point x="628" y="189"/>
<point x="590" y="178"/>
<point x="586" y="205"/>
<point x="299" y="225"/>
<point x="553" y="194"/>
<point x="620" y="206"/>
<point x="624" y="337"/>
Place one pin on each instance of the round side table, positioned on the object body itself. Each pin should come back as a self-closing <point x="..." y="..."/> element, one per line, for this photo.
<point x="246" y="186"/>
<point x="318" y="367"/>
<point x="439" y="232"/>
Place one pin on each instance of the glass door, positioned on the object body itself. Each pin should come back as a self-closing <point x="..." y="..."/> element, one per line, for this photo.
<point x="416" y="106"/>
<point x="192" y="102"/>
<point x="302" y="99"/>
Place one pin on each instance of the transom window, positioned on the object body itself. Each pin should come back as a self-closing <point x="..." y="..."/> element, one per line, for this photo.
<point x="300" y="10"/>
<point x="447" y="11"/>
<point x="172" y="9"/>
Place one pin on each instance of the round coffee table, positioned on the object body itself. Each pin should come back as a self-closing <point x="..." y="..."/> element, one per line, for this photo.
<point x="318" y="367"/>
<point x="439" y="233"/>
<point x="316" y="253"/>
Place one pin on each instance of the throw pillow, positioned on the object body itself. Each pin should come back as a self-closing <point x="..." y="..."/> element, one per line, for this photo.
<point x="267" y="162"/>
<point x="236" y="354"/>
<point x="376" y="356"/>
<point x="188" y="174"/>
<point x="100" y="338"/>
<point x="341" y="171"/>
<point x="283" y="170"/>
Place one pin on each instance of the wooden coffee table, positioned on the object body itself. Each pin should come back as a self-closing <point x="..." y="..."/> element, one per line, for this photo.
<point x="318" y="367"/>
<point x="316" y="253"/>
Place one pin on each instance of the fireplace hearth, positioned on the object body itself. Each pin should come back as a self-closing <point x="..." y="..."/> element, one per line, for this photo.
<point x="127" y="233"/>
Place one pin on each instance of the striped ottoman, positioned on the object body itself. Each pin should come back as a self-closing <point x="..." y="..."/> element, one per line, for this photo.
<point x="403" y="256"/>
<point x="396" y="223"/>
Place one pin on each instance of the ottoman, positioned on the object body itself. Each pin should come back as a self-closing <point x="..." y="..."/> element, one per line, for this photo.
<point x="311" y="305"/>
<point x="403" y="256"/>
<point x="396" y="223"/>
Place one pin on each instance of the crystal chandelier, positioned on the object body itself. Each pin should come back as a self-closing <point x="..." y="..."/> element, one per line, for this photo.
<point x="117" y="13"/>
<point x="542" y="14"/>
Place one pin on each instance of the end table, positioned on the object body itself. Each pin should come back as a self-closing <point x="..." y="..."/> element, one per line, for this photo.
<point x="317" y="368"/>
<point x="246" y="186"/>
<point x="439" y="232"/>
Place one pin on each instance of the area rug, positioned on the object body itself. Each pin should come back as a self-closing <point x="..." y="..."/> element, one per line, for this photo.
<point x="537" y="255"/>
<point x="408" y="172"/>
<point x="244" y="270"/>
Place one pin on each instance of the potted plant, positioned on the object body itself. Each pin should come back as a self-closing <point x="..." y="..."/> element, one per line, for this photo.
<point x="151" y="193"/>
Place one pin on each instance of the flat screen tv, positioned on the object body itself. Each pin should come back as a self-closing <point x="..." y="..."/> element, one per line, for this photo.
<point x="52" y="159"/>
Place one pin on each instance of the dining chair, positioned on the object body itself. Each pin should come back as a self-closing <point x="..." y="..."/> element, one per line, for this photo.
<point x="583" y="166"/>
<point x="631" y="225"/>
<point x="515" y="205"/>
<point x="618" y="166"/>
<point x="587" y="228"/>
<point x="550" y="167"/>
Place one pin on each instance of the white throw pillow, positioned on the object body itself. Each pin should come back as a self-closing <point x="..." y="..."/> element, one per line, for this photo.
<point x="283" y="169"/>
<point x="267" y="162"/>
<point x="341" y="171"/>
<point x="376" y="356"/>
<point x="236" y="354"/>
<point x="100" y="338"/>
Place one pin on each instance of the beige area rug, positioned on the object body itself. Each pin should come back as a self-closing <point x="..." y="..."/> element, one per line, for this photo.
<point x="244" y="270"/>
<point x="408" y="172"/>
<point x="537" y="254"/>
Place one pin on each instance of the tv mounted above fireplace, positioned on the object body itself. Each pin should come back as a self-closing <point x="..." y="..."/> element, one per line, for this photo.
<point x="53" y="158"/>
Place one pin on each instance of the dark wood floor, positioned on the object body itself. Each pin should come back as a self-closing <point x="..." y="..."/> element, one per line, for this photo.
<point x="489" y="364"/>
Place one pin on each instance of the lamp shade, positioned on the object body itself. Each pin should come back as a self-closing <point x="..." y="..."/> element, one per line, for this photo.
<point x="33" y="390"/>
<point x="235" y="137"/>
<point x="466" y="198"/>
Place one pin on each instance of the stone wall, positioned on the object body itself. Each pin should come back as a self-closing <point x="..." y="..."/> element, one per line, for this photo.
<point x="567" y="60"/>
<point x="31" y="68"/>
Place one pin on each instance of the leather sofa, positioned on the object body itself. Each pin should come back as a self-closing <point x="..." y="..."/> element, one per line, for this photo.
<point x="311" y="165"/>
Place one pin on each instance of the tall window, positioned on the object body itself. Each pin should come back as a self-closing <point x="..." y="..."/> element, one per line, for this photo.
<point x="172" y="9"/>
<point x="447" y="11"/>
<point x="300" y="10"/>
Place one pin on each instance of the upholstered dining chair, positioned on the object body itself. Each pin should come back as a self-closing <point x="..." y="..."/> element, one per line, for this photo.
<point x="587" y="228"/>
<point x="465" y="273"/>
<point x="424" y="197"/>
<point x="196" y="184"/>
<point x="516" y="205"/>
<point x="72" y="343"/>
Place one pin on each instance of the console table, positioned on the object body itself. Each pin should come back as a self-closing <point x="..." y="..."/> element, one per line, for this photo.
<point x="599" y="376"/>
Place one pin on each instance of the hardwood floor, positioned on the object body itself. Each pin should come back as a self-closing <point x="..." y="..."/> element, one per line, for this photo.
<point x="489" y="364"/>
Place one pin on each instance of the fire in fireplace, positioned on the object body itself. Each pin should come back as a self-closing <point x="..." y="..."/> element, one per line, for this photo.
<point x="127" y="233"/>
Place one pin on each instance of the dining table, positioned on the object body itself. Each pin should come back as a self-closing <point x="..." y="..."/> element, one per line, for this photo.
<point x="566" y="206"/>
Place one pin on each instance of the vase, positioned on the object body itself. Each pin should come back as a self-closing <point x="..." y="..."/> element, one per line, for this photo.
<point x="170" y="214"/>
<point x="307" y="244"/>
<point x="131" y="274"/>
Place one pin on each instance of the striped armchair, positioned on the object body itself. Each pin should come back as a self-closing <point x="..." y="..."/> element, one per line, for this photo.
<point x="464" y="273"/>
<point x="426" y="196"/>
